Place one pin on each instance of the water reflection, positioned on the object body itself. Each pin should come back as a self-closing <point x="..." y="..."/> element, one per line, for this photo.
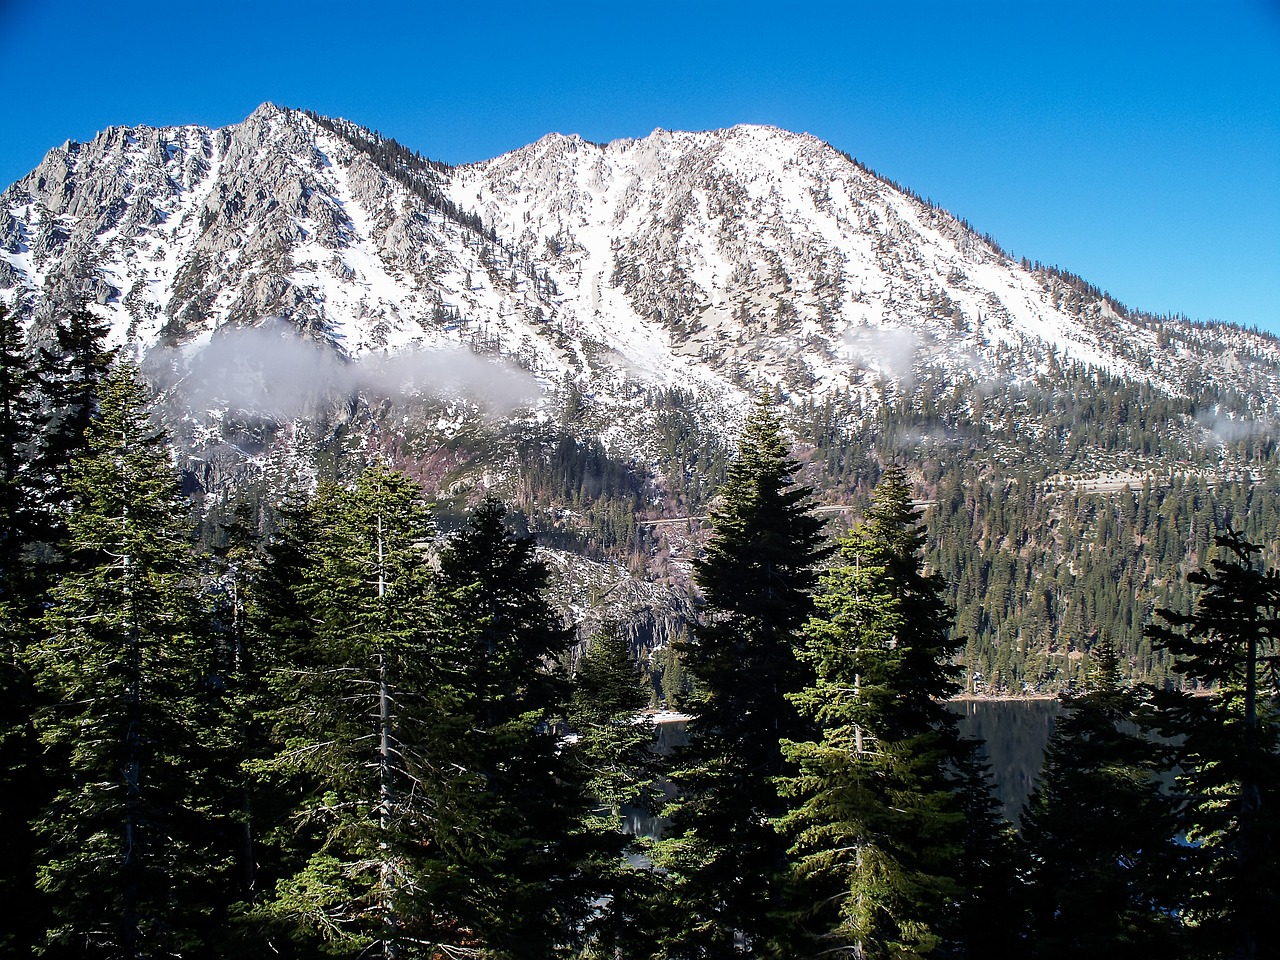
<point x="1014" y="734"/>
<point x="667" y="736"/>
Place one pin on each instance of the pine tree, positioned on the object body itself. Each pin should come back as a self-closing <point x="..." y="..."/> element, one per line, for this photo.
<point x="1230" y="748"/>
<point x="1100" y="829"/>
<point x="532" y="886"/>
<point x="279" y="636"/>
<point x="614" y="739"/>
<point x="232" y="574"/>
<point x="614" y="752"/>
<point x="674" y="679"/>
<point x="724" y="860"/>
<point x="879" y="827"/>
<point x="69" y="373"/>
<point x="24" y="786"/>
<point x="127" y="862"/>
<point x="369" y="720"/>
<point x="18" y="432"/>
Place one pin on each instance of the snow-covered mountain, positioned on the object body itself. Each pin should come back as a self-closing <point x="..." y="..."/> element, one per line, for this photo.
<point x="716" y="262"/>
<point x="579" y="326"/>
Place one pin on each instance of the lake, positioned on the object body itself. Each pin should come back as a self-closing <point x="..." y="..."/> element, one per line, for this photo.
<point x="1013" y="732"/>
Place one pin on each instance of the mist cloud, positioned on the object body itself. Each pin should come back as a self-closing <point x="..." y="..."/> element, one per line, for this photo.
<point x="271" y="371"/>
<point x="1227" y="429"/>
<point x="893" y="349"/>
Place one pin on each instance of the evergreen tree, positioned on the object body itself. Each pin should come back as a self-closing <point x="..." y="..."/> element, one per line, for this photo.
<point x="128" y="859"/>
<point x="879" y="827"/>
<point x="674" y="680"/>
<point x="369" y="720"/>
<point x="18" y="432"/>
<point x="281" y="645"/>
<point x="69" y="372"/>
<point x="724" y="860"/>
<point x="1100" y="829"/>
<point x="614" y="749"/>
<point x="532" y="885"/>
<point x="1230" y="748"/>
<point x="24" y="786"/>
<point x="232" y="573"/>
<point x="614" y="740"/>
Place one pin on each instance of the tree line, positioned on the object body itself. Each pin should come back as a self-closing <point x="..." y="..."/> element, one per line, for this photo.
<point x="354" y="736"/>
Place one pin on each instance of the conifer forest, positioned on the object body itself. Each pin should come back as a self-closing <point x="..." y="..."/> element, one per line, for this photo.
<point x="331" y="724"/>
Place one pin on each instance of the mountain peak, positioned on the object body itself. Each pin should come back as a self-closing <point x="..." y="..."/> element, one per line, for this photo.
<point x="268" y="111"/>
<point x="711" y="259"/>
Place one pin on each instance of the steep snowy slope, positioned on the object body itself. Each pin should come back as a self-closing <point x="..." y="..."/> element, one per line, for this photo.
<point x="766" y="253"/>
<point x="716" y="262"/>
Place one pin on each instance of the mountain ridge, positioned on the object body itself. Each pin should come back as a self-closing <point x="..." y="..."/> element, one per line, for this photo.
<point x="581" y="326"/>
<point x="715" y="262"/>
<point x="708" y="181"/>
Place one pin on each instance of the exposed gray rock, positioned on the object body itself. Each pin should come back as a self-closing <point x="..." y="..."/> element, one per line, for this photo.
<point x="712" y="261"/>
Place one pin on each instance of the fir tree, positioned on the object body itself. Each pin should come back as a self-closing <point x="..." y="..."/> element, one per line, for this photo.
<point x="724" y="860"/>
<point x="614" y="750"/>
<point x="532" y="884"/>
<point x="69" y="372"/>
<point x="1100" y="829"/>
<point x="1230" y="748"/>
<point x="18" y="432"/>
<point x="24" y="785"/>
<point x="605" y="711"/>
<point x="369" y="721"/>
<point x="232" y="573"/>
<point x="128" y="854"/>
<point x="879" y="829"/>
<point x="279" y="636"/>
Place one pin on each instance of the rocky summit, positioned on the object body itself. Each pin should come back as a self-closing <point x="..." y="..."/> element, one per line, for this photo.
<point x="716" y="261"/>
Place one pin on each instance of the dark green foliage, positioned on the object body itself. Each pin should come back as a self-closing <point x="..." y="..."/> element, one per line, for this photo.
<point x="371" y="728"/>
<point x="614" y="750"/>
<point x="602" y="495"/>
<point x="531" y="879"/>
<point x="23" y="785"/>
<point x="232" y="574"/>
<point x="604" y="710"/>
<point x="674" y="678"/>
<point x="68" y="372"/>
<point x="1101" y="830"/>
<point x="129" y="861"/>
<point x="495" y="833"/>
<point x="879" y="828"/>
<point x="494" y="584"/>
<point x="693" y="459"/>
<point x="987" y="918"/>
<point x="1038" y="565"/>
<point x="724" y="858"/>
<point x="18" y="432"/>
<point x="278" y="637"/>
<point x="46" y="400"/>
<point x="1229" y="752"/>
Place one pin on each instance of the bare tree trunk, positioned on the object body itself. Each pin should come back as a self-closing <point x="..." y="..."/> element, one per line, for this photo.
<point x="390" y="948"/>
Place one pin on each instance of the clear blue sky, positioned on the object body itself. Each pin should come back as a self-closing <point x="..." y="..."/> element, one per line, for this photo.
<point x="1134" y="142"/>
